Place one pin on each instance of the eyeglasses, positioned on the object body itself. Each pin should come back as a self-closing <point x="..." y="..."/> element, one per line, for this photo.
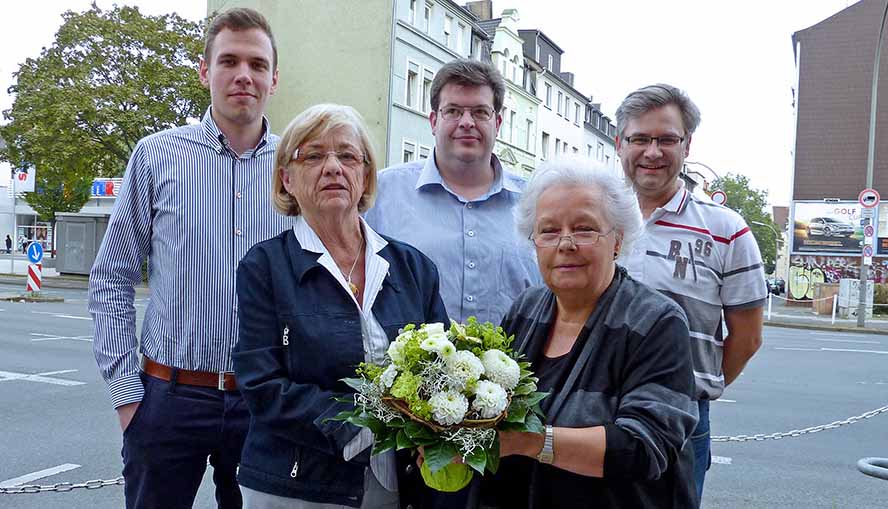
<point x="581" y="238"/>
<point x="662" y="141"/>
<point x="479" y="113"/>
<point x="317" y="158"/>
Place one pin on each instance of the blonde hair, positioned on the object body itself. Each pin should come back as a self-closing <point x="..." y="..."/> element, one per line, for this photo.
<point x="313" y="123"/>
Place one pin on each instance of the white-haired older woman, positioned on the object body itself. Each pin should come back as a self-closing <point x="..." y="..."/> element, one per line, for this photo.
<point x="313" y="303"/>
<point x="613" y="354"/>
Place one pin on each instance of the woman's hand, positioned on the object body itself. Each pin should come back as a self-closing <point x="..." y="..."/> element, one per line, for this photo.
<point x="520" y="443"/>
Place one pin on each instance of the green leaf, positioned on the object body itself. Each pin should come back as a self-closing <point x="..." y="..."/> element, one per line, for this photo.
<point x="534" y="398"/>
<point x="354" y="383"/>
<point x="384" y="444"/>
<point x="439" y="455"/>
<point x="477" y="460"/>
<point x="493" y="456"/>
<point x="342" y="416"/>
<point x="517" y="413"/>
<point x="524" y="389"/>
<point x="403" y="441"/>
<point x="534" y="424"/>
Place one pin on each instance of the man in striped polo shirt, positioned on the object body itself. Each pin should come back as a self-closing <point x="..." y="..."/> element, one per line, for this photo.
<point x="700" y="254"/>
<point x="194" y="200"/>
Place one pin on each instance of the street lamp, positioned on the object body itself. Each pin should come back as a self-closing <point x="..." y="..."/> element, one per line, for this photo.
<point x="703" y="165"/>
<point x="776" y="241"/>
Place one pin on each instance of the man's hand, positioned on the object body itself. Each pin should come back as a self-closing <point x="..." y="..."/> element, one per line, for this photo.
<point x="125" y="413"/>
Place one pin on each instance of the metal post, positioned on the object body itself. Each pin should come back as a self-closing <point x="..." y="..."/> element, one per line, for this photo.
<point x="835" y="304"/>
<point x="14" y="228"/>
<point x="870" y="158"/>
<point x="769" y="304"/>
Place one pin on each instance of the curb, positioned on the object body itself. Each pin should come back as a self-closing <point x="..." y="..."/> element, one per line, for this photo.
<point x="833" y="328"/>
<point x="27" y="297"/>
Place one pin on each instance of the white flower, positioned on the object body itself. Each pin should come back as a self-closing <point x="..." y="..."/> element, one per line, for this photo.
<point x="387" y="377"/>
<point x="434" y="329"/>
<point x="490" y="399"/>
<point x="448" y="407"/>
<point x="463" y="366"/>
<point x="396" y="352"/>
<point x="501" y="368"/>
<point x="441" y="346"/>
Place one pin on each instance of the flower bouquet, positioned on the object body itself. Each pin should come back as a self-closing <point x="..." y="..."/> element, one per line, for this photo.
<point x="447" y="391"/>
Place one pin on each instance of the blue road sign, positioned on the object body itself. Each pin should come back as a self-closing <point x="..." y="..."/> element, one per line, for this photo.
<point x="35" y="252"/>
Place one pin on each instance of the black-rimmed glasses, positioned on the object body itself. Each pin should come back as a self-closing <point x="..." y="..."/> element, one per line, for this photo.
<point x="640" y="140"/>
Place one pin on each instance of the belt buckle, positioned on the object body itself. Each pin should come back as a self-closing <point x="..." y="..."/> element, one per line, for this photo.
<point x="222" y="374"/>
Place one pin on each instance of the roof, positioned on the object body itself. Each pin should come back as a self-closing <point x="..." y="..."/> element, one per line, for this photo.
<point x="540" y="34"/>
<point x="490" y="25"/>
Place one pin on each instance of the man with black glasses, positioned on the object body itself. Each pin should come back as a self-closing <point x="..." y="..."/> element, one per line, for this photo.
<point x="700" y="254"/>
<point x="456" y="206"/>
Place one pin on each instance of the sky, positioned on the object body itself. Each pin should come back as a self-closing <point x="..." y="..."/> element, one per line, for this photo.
<point x="734" y="59"/>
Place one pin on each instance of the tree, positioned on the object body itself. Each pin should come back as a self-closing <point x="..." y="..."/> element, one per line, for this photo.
<point x="751" y="204"/>
<point x="110" y="78"/>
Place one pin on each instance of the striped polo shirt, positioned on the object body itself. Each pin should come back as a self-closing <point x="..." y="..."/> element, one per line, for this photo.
<point x="193" y="208"/>
<point x="704" y="257"/>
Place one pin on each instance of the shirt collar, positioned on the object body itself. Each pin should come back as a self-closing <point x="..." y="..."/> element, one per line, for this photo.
<point x="218" y="140"/>
<point x="678" y="201"/>
<point x="310" y="241"/>
<point x="431" y="175"/>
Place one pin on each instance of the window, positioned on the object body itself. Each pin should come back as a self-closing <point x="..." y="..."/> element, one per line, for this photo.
<point x="588" y="150"/>
<point x="424" y="152"/>
<point x="564" y="151"/>
<point x="448" y="27"/>
<point x="566" y="108"/>
<point x="411" y="17"/>
<point x="549" y="96"/>
<point x="544" y="148"/>
<point x="600" y="153"/>
<point x="557" y="146"/>
<point x="427" y="78"/>
<point x="501" y="134"/>
<point x="460" y="29"/>
<point x="536" y="56"/>
<point x="427" y="17"/>
<point x="408" y="150"/>
<point x="577" y="113"/>
<point x="505" y="61"/>
<point x="550" y="63"/>
<point x="560" y="98"/>
<point x="512" y="127"/>
<point x="412" y="82"/>
<point x="607" y="160"/>
<point x="574" y="149"/>
<point x="529" y="141"/>
<point x="515" y="66"/>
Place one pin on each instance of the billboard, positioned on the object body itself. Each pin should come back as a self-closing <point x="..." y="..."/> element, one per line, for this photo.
<point x="824" y="228"/>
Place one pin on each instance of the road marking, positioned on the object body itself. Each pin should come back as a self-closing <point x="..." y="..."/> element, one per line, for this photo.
<point x="6" y="376"/>
<point x="722" y="460"/>
<point x="721" y="400"/>
<point x="848" y="341"/>
<point x="853" y="351"/>
<point x="59" y="315"/>
<point x="51" y="337"/>
<point x="798" y="349"/>
<point x="33" y="476"/>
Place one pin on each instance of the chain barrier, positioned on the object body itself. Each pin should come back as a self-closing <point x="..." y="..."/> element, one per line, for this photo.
<point x="61" y="487"/>
<point x="799" y="432"/>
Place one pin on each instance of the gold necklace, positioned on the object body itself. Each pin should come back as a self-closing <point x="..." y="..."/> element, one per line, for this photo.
<point x="348" y="278"/>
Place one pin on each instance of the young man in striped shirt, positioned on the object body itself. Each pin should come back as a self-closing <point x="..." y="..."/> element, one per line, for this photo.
<point x="700" y="254"/>
<point x="193" y="201"/>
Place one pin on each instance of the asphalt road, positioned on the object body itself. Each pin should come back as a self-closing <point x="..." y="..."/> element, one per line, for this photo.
<point x="61" y="418"/>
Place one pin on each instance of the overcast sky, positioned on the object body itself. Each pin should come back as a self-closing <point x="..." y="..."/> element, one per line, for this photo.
<point x="735" y="60"/>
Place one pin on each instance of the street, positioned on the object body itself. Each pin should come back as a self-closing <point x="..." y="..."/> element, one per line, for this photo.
<point x="56" y="416"/>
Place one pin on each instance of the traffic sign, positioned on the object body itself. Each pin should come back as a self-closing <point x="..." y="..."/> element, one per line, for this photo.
<point x="867" y="213"/>
<point x="35" y="252"/>
<point x="868" y="230"/>
<point x="868" y="198"/>
<point x="719" y="197"/>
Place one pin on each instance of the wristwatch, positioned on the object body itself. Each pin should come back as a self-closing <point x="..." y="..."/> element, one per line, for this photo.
<point x="547" y="453"/>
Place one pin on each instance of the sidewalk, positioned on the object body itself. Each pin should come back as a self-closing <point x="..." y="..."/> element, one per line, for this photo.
<point x="804" y="317"/>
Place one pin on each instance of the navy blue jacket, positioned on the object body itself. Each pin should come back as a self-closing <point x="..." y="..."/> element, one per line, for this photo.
<point x="289" y="385"/>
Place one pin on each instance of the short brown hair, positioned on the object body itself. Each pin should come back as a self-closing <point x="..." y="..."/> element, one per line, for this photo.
<point x="239" y="18"/>
<point x="312" y="124"/>
<point x="469" y="73"/>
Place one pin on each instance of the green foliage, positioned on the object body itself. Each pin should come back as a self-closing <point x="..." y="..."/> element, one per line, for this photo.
<point x="752" y="204"/>
<point x="109" y="78"/>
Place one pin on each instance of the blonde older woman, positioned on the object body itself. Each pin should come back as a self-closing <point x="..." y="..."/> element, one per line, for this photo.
<point x="613" y="353"/>
<point x="313" y="303"/>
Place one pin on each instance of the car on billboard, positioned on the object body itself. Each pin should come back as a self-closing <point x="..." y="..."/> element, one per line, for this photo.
<point x="829" y="227"/>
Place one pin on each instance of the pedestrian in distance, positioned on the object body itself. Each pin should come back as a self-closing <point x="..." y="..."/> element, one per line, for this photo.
<point x="700" y="254"/>
<point x="196" y="199"/>
<point x="8" y="244"/>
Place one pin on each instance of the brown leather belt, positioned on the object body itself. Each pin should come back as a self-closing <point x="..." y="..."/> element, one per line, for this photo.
<point x="223" y="380"/>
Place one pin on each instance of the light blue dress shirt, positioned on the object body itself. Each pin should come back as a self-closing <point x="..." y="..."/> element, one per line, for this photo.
<point x="482" y="261"/>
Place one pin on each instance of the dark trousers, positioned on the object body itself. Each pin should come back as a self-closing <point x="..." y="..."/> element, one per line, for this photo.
<point x="700" y="439"/>
<point x="175" y="430"/>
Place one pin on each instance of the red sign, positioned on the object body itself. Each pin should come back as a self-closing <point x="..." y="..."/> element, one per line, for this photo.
<point x="868" y="198"/>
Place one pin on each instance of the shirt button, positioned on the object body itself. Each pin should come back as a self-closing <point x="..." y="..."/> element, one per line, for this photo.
<point x="470" y="298"/>
<point x="238" y="195"/>
<point x="409" y="469"/>
<point x="471" y="233"/>
<point x="471" y="265"/>
<point x="470" y="206"/>
<point x="237" y="231"/>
